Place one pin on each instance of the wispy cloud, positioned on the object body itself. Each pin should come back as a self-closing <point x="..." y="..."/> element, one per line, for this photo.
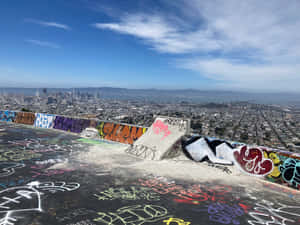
<point x="245" y="42"/>
<point x="48" y="24"/>
<point x="42" y="43"/>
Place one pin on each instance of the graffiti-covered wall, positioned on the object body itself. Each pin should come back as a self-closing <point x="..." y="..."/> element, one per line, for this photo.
<point x="70" y="124"/>
<point x="7" y="116"/>
<point x="121" y="133"/>
<point x="44" y="120"/>
<point x="25" y="118"/>
<point x="275" y="165"/>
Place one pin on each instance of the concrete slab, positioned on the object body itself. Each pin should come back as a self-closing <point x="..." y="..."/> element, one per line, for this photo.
<point x="159" y="139"/>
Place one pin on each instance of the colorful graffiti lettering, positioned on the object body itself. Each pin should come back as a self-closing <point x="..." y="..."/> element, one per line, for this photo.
<point x="290" y="171"/>
<point x="194" y="194"/>
<point x="252" y="161"/>
<point x="275" y="174"/>
<point x="159" y="126"/>
<point x="176" y="220"/>
<point x="70" y="124"/>
<point x="136" y="214"/>
<point x="44" y="120"/>
<point x="7" y="116"/>
<point x="130" y="193"/>
<point x="225" y="214"/>
<point x="121" y="133"/>
<point x="266" y="213"/>
<point x="25" y="118"/>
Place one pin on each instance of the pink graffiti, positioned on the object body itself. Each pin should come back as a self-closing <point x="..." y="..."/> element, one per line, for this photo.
<point x="49" y="173"/>
<point x="159" y="127"/>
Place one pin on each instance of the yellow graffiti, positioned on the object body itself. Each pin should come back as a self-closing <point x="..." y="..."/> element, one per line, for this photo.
<point x="17" y="155"/>
<point x="176" y="220"/>
<point x="276" y="162"/>
<point x="133" y="215"/>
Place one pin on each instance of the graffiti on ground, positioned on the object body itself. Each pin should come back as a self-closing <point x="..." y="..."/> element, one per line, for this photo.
<point x="159" y="127"/>
<point x="225" y="214"/>
<point x="252" y="161"/>
<point x="7" y="116"/>
<point x="75" y="213"/>
<point x="290" y="171"/>
<point x="171" y="221"/>
<point x="54" y="187"/>
<point x="18" y="199"/>
<point x="44" y="120"/>
<point x="7" y="169"/>
<point x="25" y="118"/>
<point x="266" y="213"/>
<point x="17" y="155"/>
<point x="136" y="214"/>
<point x="194" y="194"/>
<point x="130" y="193"/>
<point x="121" y="133"/>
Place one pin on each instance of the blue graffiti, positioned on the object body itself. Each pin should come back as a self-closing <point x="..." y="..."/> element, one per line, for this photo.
<point x="44" y="120"/>
<point x="290" y="171"/>
<point x="7" y="116"/>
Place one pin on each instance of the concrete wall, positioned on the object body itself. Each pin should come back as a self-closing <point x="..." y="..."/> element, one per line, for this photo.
<point x="123" y="133"/>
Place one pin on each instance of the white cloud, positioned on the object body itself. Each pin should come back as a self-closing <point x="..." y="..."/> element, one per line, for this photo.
<point x="42" y="43"/>
<point x="242" y="42"/>
<point x="48" y="24"/>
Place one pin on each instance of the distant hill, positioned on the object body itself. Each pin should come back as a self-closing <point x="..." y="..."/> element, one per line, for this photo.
<point x="156" y="95"/>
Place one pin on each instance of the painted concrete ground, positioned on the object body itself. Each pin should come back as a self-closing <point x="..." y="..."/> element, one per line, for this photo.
<point x="37" y="188"/>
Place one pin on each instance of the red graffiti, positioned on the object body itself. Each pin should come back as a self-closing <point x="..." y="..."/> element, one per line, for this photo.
<point x="195" y="194"/>
<point x="252" y="161"/>
<point x="159" y="127"/>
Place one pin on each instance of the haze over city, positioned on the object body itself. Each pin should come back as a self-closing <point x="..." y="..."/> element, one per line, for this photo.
<point x="200" y="44"/>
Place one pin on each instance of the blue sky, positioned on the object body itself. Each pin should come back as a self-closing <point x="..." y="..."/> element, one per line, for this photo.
<point x="201" y="44"/>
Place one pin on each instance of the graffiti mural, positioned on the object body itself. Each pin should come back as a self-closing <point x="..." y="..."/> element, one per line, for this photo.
<point x="135" y="214"/>
<point x="70" y="124"/>
<point x="7" y="116"/>
<point x="252" y="161"/>
<point x="44" y="120"/>
<point x="290" y="171"/>
<point x="121" y="133"/>
<point x="275" y="175"/>
<point x="27" y="118"/>
<point x="216" y="151"/>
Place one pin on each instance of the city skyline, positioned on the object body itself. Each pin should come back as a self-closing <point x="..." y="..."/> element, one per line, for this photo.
<point x="206" y="45"/>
